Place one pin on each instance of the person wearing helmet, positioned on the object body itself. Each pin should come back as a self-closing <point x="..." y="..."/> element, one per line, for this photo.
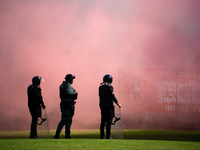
<point x="68" y="96"/>
<point x="106" y="97"/>
<point x="35" y="101"/>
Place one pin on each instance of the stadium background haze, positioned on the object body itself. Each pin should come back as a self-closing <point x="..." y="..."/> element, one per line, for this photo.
<point x="89" y="39"/>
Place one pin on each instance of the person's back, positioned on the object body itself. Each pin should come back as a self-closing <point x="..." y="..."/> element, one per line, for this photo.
<point x="34" y="96"/>
<point x="105" y="95"/>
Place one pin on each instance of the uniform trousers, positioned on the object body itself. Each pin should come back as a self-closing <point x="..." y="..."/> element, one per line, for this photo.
<point x="35" y="113"/>
<point x="106" y="120"/>
<point x="66" y="120"/>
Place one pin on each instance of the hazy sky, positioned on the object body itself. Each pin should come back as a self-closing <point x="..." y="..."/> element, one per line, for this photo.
<point x="93" y="33"/>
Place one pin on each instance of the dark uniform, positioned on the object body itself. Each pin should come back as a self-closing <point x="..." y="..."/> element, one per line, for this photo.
<point x="35" y="101"/>
<point x="68" y="96"/>
<point x="107" y="98"/>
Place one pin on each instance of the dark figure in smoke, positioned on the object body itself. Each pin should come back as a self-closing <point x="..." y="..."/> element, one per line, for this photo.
<point x="35" y="101"/>
<point x="68" y="96"/>
<point x="107" y="98"/>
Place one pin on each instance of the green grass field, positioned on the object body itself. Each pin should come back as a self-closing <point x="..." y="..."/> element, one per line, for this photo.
<point x="89" y="139"/>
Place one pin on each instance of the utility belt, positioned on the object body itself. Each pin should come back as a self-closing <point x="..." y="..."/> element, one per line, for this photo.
<point x="74" y="97"/>
<point x="67" y="104"/>
<point x="65" y="96"/>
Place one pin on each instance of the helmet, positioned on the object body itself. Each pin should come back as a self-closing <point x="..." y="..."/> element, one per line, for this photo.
<point x="107" y="78"/>
<point x="36" y="80"/>
<point x="69" y="77"/>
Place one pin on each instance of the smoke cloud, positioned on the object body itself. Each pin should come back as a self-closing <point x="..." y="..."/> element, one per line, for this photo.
<point x="89" y="39"/>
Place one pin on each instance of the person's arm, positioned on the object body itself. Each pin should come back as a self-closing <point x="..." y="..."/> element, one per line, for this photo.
<point x="40" y="97"/>
<point x="118" y="104"/>
<point x="71" y="92"/>
<point x="114" y="98"/>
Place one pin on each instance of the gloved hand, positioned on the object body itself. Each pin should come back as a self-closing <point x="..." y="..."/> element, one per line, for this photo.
<point x="43" y="106"/>
<point x="75" y="96"/>
<point x="119" y="105"/>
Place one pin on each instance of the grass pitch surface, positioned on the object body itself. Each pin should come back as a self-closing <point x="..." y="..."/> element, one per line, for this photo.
<point x="89" y="139"/>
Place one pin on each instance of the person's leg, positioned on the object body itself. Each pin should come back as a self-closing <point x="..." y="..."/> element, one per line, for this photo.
<point x="59" y="129"/>
<point x="34" y="111"/>
<point x="68" y="128"/>
<point x="69" y="113"/>
<point x="103" y="122"/>
<point x="61" y="123"/>
<point x="33" y="132"/>
<point x="109" y="118"/>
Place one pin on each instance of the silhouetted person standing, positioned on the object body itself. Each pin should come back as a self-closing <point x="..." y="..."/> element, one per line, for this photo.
<point x="107" y="98"/>
<point x="35" y="102"/>
<point x="68" y="96"/>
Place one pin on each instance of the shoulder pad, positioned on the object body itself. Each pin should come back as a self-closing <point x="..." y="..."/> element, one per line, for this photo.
<point x="68" y="86"/>
<point x="106" y="83"/>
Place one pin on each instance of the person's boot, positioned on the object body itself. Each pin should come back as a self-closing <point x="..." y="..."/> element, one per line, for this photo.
<point x="57" y="136"/>
<point x="102" y="137"/>
<point x="34" y="137"/>
<point x="108" y="136"/>
<point x="67" y="136"/>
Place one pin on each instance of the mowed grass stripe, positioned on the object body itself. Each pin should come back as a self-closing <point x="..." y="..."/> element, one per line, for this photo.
<point x="54" y="144"/>
<point x="89" y="139"/>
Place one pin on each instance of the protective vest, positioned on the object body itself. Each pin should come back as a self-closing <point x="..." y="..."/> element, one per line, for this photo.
<point x="63" y="94"/>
